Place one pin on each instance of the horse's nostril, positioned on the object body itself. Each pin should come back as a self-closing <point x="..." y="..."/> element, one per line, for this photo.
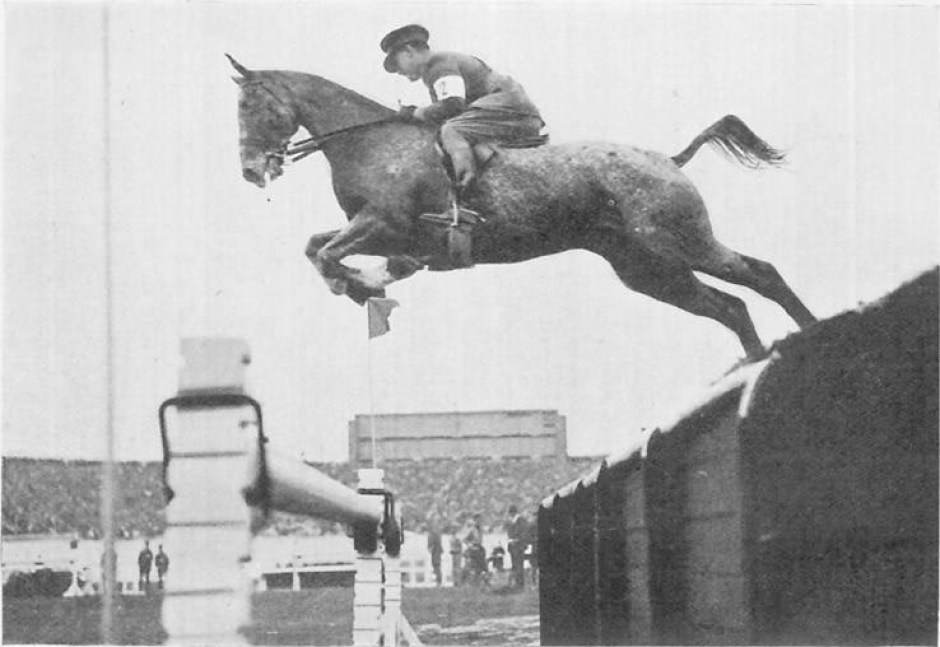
<point x="250" y="175"/>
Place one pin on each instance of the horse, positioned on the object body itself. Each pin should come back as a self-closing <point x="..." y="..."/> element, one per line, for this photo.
<point x="633" y="207"/>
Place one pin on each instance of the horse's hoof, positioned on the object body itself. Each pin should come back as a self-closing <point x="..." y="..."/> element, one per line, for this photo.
<point x="337" y="286"/>
<point x="360" y="293"/>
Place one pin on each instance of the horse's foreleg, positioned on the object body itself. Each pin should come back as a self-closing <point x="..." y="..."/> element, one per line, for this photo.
<point x="366" y="234"/>
<point x="392" y="269"/>
<point x="316" y="243"/>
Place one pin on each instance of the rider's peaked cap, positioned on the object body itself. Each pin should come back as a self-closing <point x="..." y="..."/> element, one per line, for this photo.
<point x="398" y="38"/>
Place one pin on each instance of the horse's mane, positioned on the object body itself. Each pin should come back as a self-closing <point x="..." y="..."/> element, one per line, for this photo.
<point x="331" y="86"/>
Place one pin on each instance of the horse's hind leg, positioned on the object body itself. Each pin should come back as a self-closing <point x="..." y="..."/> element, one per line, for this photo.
<point x="758" y="275"/>
<point x="674" y="283"/>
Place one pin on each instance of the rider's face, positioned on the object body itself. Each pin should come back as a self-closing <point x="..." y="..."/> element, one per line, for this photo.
<point x="409" y="63"/>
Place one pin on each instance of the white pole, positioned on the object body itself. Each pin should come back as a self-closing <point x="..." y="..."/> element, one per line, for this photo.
<point x="371" y="411"/>
<point x="108" y="635"/>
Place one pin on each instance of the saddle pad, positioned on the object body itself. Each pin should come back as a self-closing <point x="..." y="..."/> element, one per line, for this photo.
<point x="528" y="142"/>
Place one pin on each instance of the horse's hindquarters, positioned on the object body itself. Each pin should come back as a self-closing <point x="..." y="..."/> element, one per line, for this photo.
<point x="546" y="200"/>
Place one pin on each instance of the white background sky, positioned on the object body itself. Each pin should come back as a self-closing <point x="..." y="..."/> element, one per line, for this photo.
<point x="851" y="93"/>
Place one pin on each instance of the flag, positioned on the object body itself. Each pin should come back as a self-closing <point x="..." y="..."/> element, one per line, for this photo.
<point x="379" y="311"/>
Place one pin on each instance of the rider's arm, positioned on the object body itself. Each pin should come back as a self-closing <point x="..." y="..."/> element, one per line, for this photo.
<point x="450" y="92"/>
<point x="447" y="87"/>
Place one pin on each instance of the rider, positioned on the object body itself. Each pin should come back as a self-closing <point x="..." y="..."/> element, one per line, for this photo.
<point x="473" y="103"/>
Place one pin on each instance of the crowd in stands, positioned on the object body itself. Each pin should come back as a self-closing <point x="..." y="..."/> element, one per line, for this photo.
<point x="451" y="490"/>
<point x="62" y="497"/>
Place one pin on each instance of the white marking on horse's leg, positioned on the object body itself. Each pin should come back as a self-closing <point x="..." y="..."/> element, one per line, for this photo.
<point x="376" y="277"/>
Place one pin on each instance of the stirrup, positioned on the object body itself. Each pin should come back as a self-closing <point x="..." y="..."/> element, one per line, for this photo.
<point x="459" y="223"/>
<point x="456" y="216"/>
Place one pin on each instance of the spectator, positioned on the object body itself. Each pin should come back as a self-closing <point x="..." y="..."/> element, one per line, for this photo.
<point x="163" y="565"/>
<point x="475" y="553"/>
<point x="456" y="552"/>
<point x="435" y="548"/>
<point x="533" y="557"/>
<point x="497" y="558"/>
<point x="144" y="560"/>
<point x="518" y="532"/>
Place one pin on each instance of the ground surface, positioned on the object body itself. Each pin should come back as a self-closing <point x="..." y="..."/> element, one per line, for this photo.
<point x="315" y="617"/>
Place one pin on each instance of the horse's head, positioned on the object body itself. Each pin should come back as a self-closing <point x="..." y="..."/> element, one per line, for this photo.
<point x="266" y="122"/>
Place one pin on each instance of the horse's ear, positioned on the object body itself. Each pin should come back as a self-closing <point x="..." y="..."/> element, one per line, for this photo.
<point x="244" y="71"/>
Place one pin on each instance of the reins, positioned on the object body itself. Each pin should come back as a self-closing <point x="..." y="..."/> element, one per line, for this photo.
<point x="314" y="143"/>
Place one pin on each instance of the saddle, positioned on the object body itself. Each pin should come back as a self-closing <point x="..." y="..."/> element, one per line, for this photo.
<point x="486" y="151"/>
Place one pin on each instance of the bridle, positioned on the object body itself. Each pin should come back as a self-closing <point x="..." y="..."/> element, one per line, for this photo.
<point x="315" y="142"/>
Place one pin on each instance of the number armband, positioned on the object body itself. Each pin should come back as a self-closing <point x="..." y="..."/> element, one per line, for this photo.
<point x="450" y="86"/>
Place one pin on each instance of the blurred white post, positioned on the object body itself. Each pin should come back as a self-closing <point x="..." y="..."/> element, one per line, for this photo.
<point x="209" y="525"/>
<point x="108" y="584"/>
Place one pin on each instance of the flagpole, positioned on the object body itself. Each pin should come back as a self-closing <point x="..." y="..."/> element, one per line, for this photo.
<point x="377" y="313"/>
<point x="371" y="405"/>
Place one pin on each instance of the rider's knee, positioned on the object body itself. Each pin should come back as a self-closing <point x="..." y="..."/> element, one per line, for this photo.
<point x="451" y="136"/>
<point x="448" y="130"/>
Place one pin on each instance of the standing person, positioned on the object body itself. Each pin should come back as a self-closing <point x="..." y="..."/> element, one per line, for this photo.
<point x="144" y="560"/>
<point x="456" y="561"/>
<point x="475" y="553"/>
<point x="163" y="565"/>
<point x="533" y="557"/>
<point x="473" y="103"/>
<point x="436" y="549"/>
<point x="518" y="532"/>
<point x="497" y="558"/>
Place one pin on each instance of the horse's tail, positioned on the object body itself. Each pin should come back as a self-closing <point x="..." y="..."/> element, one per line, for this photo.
<point x="732" y="137"/>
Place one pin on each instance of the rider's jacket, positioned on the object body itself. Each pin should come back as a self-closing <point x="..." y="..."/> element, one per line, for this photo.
<point x="458" y="82"/>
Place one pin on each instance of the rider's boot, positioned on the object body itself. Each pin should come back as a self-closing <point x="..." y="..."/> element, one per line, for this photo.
<point x="461" y="156"/>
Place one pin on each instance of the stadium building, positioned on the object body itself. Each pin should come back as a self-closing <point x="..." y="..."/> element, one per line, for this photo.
<point x="476" y="434"/>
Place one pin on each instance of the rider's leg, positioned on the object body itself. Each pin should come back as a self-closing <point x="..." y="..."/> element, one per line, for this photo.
<point x="461" y="154"/>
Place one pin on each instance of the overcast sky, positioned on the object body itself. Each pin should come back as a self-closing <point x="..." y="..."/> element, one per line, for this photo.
<point x="851" y="93"/>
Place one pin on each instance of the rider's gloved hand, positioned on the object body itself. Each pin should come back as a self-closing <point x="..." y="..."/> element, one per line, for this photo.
<point x="407" y="112"/>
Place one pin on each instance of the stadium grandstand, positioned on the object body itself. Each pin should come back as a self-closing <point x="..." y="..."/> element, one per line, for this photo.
<point x="55" y="497"/>
<point x="475" y="434"/>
